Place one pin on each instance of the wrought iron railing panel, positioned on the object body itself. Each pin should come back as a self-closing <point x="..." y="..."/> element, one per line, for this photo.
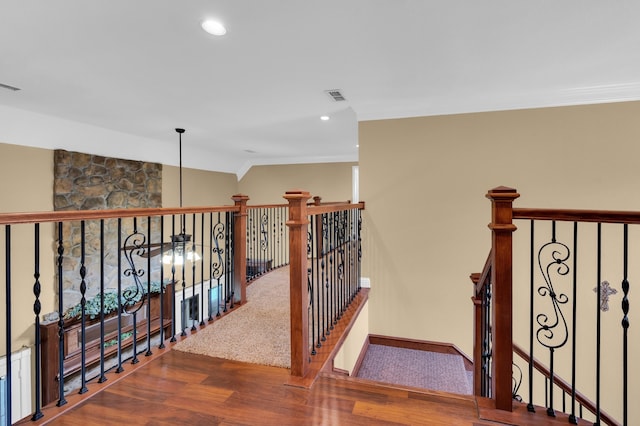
<point x="267" y="239"/>
<point x="334" y="253"/>
<point x="118" y="314"/>
<point x="562" y="326"/>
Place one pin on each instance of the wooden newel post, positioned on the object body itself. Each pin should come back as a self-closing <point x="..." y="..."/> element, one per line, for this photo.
<point x="240" y="248"/>
<point x="502" y="229"/>
<point x="299" y="297"/>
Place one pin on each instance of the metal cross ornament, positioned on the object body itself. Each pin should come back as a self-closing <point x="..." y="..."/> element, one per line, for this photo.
<point x="605" y="291"/>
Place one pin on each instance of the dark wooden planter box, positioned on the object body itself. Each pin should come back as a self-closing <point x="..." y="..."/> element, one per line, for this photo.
<point x="73" y="341"/>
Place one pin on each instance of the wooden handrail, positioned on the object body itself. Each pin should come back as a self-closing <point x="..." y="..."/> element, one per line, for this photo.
<point x="63" y="216"/>
<point x="602" y="216"/>
<point x="565" y="386"/>
<point x="330" y="208"/>
<point x="480" y="280"/>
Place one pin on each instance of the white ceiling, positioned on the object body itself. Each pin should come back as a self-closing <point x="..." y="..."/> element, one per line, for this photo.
<point x="144" y="67"/>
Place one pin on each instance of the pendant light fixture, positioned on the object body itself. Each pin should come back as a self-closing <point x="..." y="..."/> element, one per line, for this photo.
<point x="180" y="244"/>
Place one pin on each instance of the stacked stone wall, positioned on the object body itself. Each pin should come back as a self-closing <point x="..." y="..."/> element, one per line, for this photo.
<point x="92" y="182"/>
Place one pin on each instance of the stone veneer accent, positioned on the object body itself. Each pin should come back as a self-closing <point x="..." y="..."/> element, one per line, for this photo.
<point x="92" y="182"/>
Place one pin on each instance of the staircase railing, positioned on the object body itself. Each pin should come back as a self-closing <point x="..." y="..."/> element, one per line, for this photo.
<point x="584" y="403"/>
<point x="267" y="239"/>
<point x="107" y="287"/>
<point x="325" y="253"/>
<point x="563" y="267"/>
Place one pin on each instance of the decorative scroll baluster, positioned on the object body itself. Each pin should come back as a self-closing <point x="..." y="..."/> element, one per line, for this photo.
<point x="83" y="303"/>
<point x="37" y="288"/>
<point x="625" y="329"/>
<point x="311" y="308"/>
<point x="61" y="401"/>
<point x="134" y="245"/>
<point x="550" y="328"/>
<point x="210" y="318"/>
<point x="232" y="223"/>
<point x="218" y="263"/>
<point x="517" y="381"/>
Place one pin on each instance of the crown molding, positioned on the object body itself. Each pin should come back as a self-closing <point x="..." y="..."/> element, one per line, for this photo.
<point x="606" y="93"/>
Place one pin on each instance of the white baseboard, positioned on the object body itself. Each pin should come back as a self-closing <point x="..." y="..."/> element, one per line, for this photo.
<point x="365" y="282"/>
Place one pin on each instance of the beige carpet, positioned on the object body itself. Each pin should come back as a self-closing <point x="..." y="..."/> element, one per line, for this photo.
<point x="258" y="332"/>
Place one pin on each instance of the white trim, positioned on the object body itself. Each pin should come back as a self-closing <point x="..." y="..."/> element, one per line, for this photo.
<point x="365" y="282"/>
<point x="20" y="382"/>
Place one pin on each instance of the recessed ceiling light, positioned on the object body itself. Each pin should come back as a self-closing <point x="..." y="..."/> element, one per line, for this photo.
<point x="324" y="117"/>
<point x="214" y="27"/>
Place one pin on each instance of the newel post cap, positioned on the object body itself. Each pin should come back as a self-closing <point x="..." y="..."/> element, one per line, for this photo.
<point x="503" y="192"/>
<point x="297" y="194"/>
<point x="240" y="197"/>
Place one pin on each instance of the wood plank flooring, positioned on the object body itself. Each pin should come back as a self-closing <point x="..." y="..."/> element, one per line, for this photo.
<point x="179" y="388"/>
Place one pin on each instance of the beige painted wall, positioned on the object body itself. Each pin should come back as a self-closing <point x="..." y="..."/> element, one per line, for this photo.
<point x="32" y="168"/>
<point x="426" y="215"/>
<point x="267" y="184"/>
<point x="200" y="187"/>
<point x="349" y="352"/>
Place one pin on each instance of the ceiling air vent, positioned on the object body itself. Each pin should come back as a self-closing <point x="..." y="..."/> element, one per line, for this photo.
<point x="6" y="86"/>
<point x="336" y="95"/>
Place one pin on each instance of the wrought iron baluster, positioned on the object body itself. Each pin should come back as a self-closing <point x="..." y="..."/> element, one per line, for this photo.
<point x="173" y="280"/>
<point x="202" y="293"/>
<point x="218" y="266"/>
<point x="230" y="254"/>
<point x="37" y="307"/>
<point x="598" y="321"/>
<point x="163" y="288"/>
<point x="102" y="378"/>
<point x="530" y="406"/>
<point x="183" y="306"/>
<point x="120" y="368"/>
<point x="133" y="296"/>
<point x="83" y="304"/>
<point x="572" y="416"/>
<point x="210" y="318"/>
<point x="149" y="352"/>
<point x="8" y="338"/>
<point x="61" y="401"/>
<point x="625" y="330"/>
<point x="193" y="272"/>
<point x="553" y="332"/>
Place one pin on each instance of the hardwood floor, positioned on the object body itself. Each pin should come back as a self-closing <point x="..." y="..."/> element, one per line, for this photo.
<point x="179" y="388"/>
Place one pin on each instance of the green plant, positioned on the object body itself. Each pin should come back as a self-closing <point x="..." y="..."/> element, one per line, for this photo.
<point x="92" y="306"/>
<point x="123" y="336"/>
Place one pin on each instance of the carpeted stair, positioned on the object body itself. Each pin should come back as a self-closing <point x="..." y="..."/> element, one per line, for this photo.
<point x="416" y="368"/>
